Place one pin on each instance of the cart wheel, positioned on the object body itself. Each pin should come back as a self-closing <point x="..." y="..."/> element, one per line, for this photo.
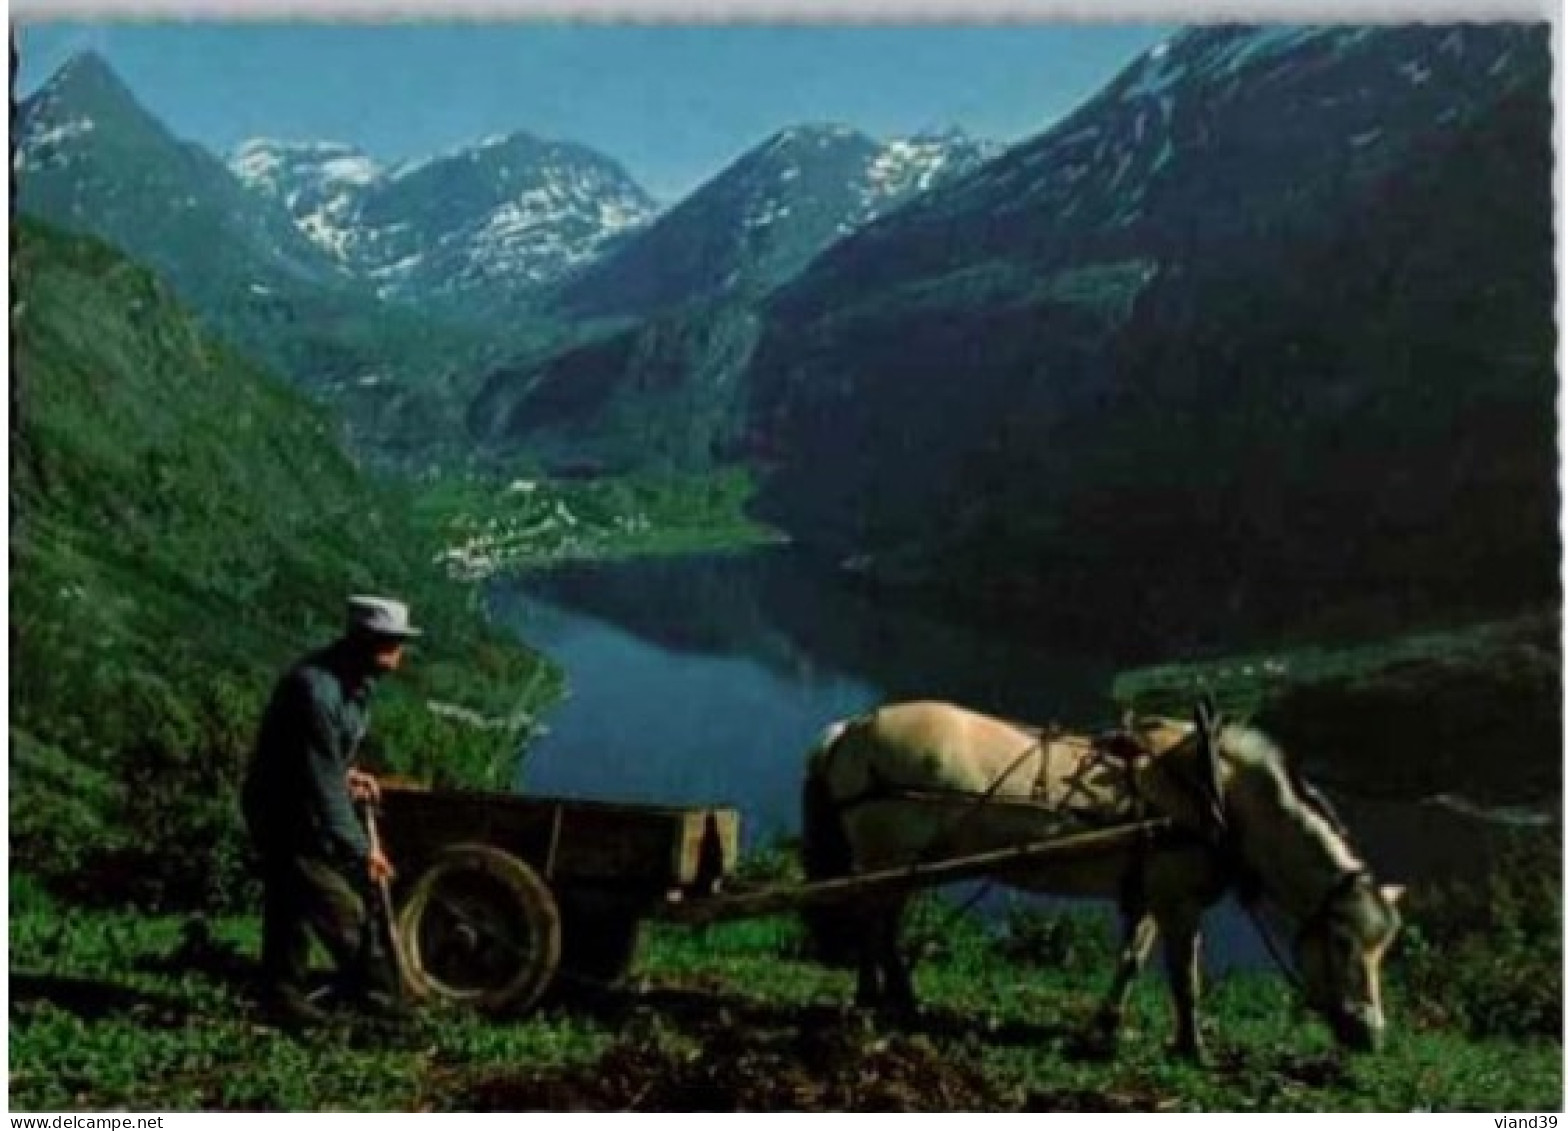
<point x="480" y="928"/>
<point x="599" y="940"/>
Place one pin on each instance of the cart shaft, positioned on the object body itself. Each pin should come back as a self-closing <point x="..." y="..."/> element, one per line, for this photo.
<point x="909" y="877"/>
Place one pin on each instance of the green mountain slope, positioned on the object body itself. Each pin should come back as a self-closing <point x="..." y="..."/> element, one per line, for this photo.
<point x="662" y="394"/>
<point x="182" y="525"/>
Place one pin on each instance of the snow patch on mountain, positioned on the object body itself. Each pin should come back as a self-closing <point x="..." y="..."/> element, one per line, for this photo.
<point x="263" y="161"/>
<point x="524" y="211"/>
<point x="60" y="132"/>
<point x="320" y="184"/>
<point x="906" y="167"/>
<point x="46" y="144"/>
<point x="1157" y="77"/>
<point x="764" y="213"/>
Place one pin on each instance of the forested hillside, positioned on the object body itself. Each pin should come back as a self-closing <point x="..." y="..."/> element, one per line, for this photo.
<point x="183" y="524"/>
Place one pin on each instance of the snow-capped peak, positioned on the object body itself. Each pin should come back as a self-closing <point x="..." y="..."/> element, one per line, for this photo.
<point x="271" y="163"/>
<point x="507" y="208"/>
<point x="915" y="164"/>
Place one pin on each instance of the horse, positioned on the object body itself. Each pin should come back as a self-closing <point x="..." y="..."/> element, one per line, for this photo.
<point x="915" y="782"/>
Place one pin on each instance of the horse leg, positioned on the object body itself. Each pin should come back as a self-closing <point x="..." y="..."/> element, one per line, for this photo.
<point x="868" y="968"/>
<point x="1139" y="932"/>
<point x="897" y="979"/>
<point x="883" y="979"/>
<point x="877" y="946"/>
<point x="1181" y="968"/>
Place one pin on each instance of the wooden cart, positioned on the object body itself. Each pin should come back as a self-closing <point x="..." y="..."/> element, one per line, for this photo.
<point x="502" y="893"/>
<point x="499" y="893"/>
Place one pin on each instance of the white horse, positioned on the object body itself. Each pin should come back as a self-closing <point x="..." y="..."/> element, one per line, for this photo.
<point x="915" y="782"/>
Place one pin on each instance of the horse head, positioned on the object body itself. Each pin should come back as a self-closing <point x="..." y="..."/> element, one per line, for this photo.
<point x="1340" y="948"/>
<point x="1285" y="833"/>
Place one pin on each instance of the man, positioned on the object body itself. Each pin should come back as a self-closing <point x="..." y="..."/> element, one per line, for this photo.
<point x="316" y="859"/>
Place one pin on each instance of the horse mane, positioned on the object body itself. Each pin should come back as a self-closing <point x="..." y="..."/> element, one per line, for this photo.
<point x="1249" y="748"/>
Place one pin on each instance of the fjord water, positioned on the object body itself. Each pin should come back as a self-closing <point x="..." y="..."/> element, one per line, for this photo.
<point x="706" y="679"/>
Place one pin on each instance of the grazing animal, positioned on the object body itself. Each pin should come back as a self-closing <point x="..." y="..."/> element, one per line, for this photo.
<point x="916" y="782"/>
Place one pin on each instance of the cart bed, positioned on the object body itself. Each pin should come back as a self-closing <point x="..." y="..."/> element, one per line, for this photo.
<point x="569" y="840"/>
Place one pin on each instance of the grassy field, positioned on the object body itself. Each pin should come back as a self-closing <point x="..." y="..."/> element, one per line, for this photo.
<point x="110" y="1010"/>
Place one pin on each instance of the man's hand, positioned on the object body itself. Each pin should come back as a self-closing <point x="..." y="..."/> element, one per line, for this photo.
<point x="380" y="867"/>
<point x="363" y="786"/>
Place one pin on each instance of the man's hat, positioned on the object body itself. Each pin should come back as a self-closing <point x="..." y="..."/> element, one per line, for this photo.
<point x="379" y="616"/>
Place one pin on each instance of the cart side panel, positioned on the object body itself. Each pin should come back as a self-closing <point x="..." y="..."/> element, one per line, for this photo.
<point x="419" y="824"/>
<point x="567" y="839"/>
<point x="658" y="847"/>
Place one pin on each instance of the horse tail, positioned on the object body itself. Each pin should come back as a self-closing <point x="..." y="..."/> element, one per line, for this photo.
<point x="825" y="854"/>
<point x="824" y="845"/>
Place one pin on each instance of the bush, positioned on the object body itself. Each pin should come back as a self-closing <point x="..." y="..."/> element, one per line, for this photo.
<point x="1487" y="957"/>
<point x="183" y="759"/>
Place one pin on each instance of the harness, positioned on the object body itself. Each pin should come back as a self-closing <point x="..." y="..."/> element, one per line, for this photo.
<point x="1216" y="832"/>
<point x="1127" y="755"/>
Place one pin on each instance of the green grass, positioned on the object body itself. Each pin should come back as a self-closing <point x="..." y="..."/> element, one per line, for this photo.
<point x="117" y="1011"/>
<point x="106" y="1014"/>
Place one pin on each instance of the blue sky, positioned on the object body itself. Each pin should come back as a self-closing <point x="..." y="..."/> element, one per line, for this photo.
<point x="673" y="103"/>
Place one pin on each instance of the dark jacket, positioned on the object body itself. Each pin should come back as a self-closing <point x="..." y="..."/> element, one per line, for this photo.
<point x="295" y="796"/>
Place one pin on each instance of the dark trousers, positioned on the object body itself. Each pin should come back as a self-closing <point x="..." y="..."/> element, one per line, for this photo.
<point x="303" y="895"/>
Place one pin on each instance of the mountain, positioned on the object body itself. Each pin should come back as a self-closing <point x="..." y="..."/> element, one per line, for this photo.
<point x="1212" y="137"/>
<point x="183" y="524"/>
<point x="765" y="217"/>
<point x="319" y="183"/>
<point x="661" y="394"/>
<point x="485" y="223"/>
<point x="91" y="159"/>
<point x="1261" y="335"/>
<point x="89" y="156"/>
<point x="665" y="390"/>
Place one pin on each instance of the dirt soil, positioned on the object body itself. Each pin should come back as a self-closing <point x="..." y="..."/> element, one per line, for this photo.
<point x="811" y="1060"/>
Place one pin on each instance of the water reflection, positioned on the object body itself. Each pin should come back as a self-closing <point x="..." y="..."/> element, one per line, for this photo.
<point x="785" y="613"/>
<point x="707" y="679"/>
